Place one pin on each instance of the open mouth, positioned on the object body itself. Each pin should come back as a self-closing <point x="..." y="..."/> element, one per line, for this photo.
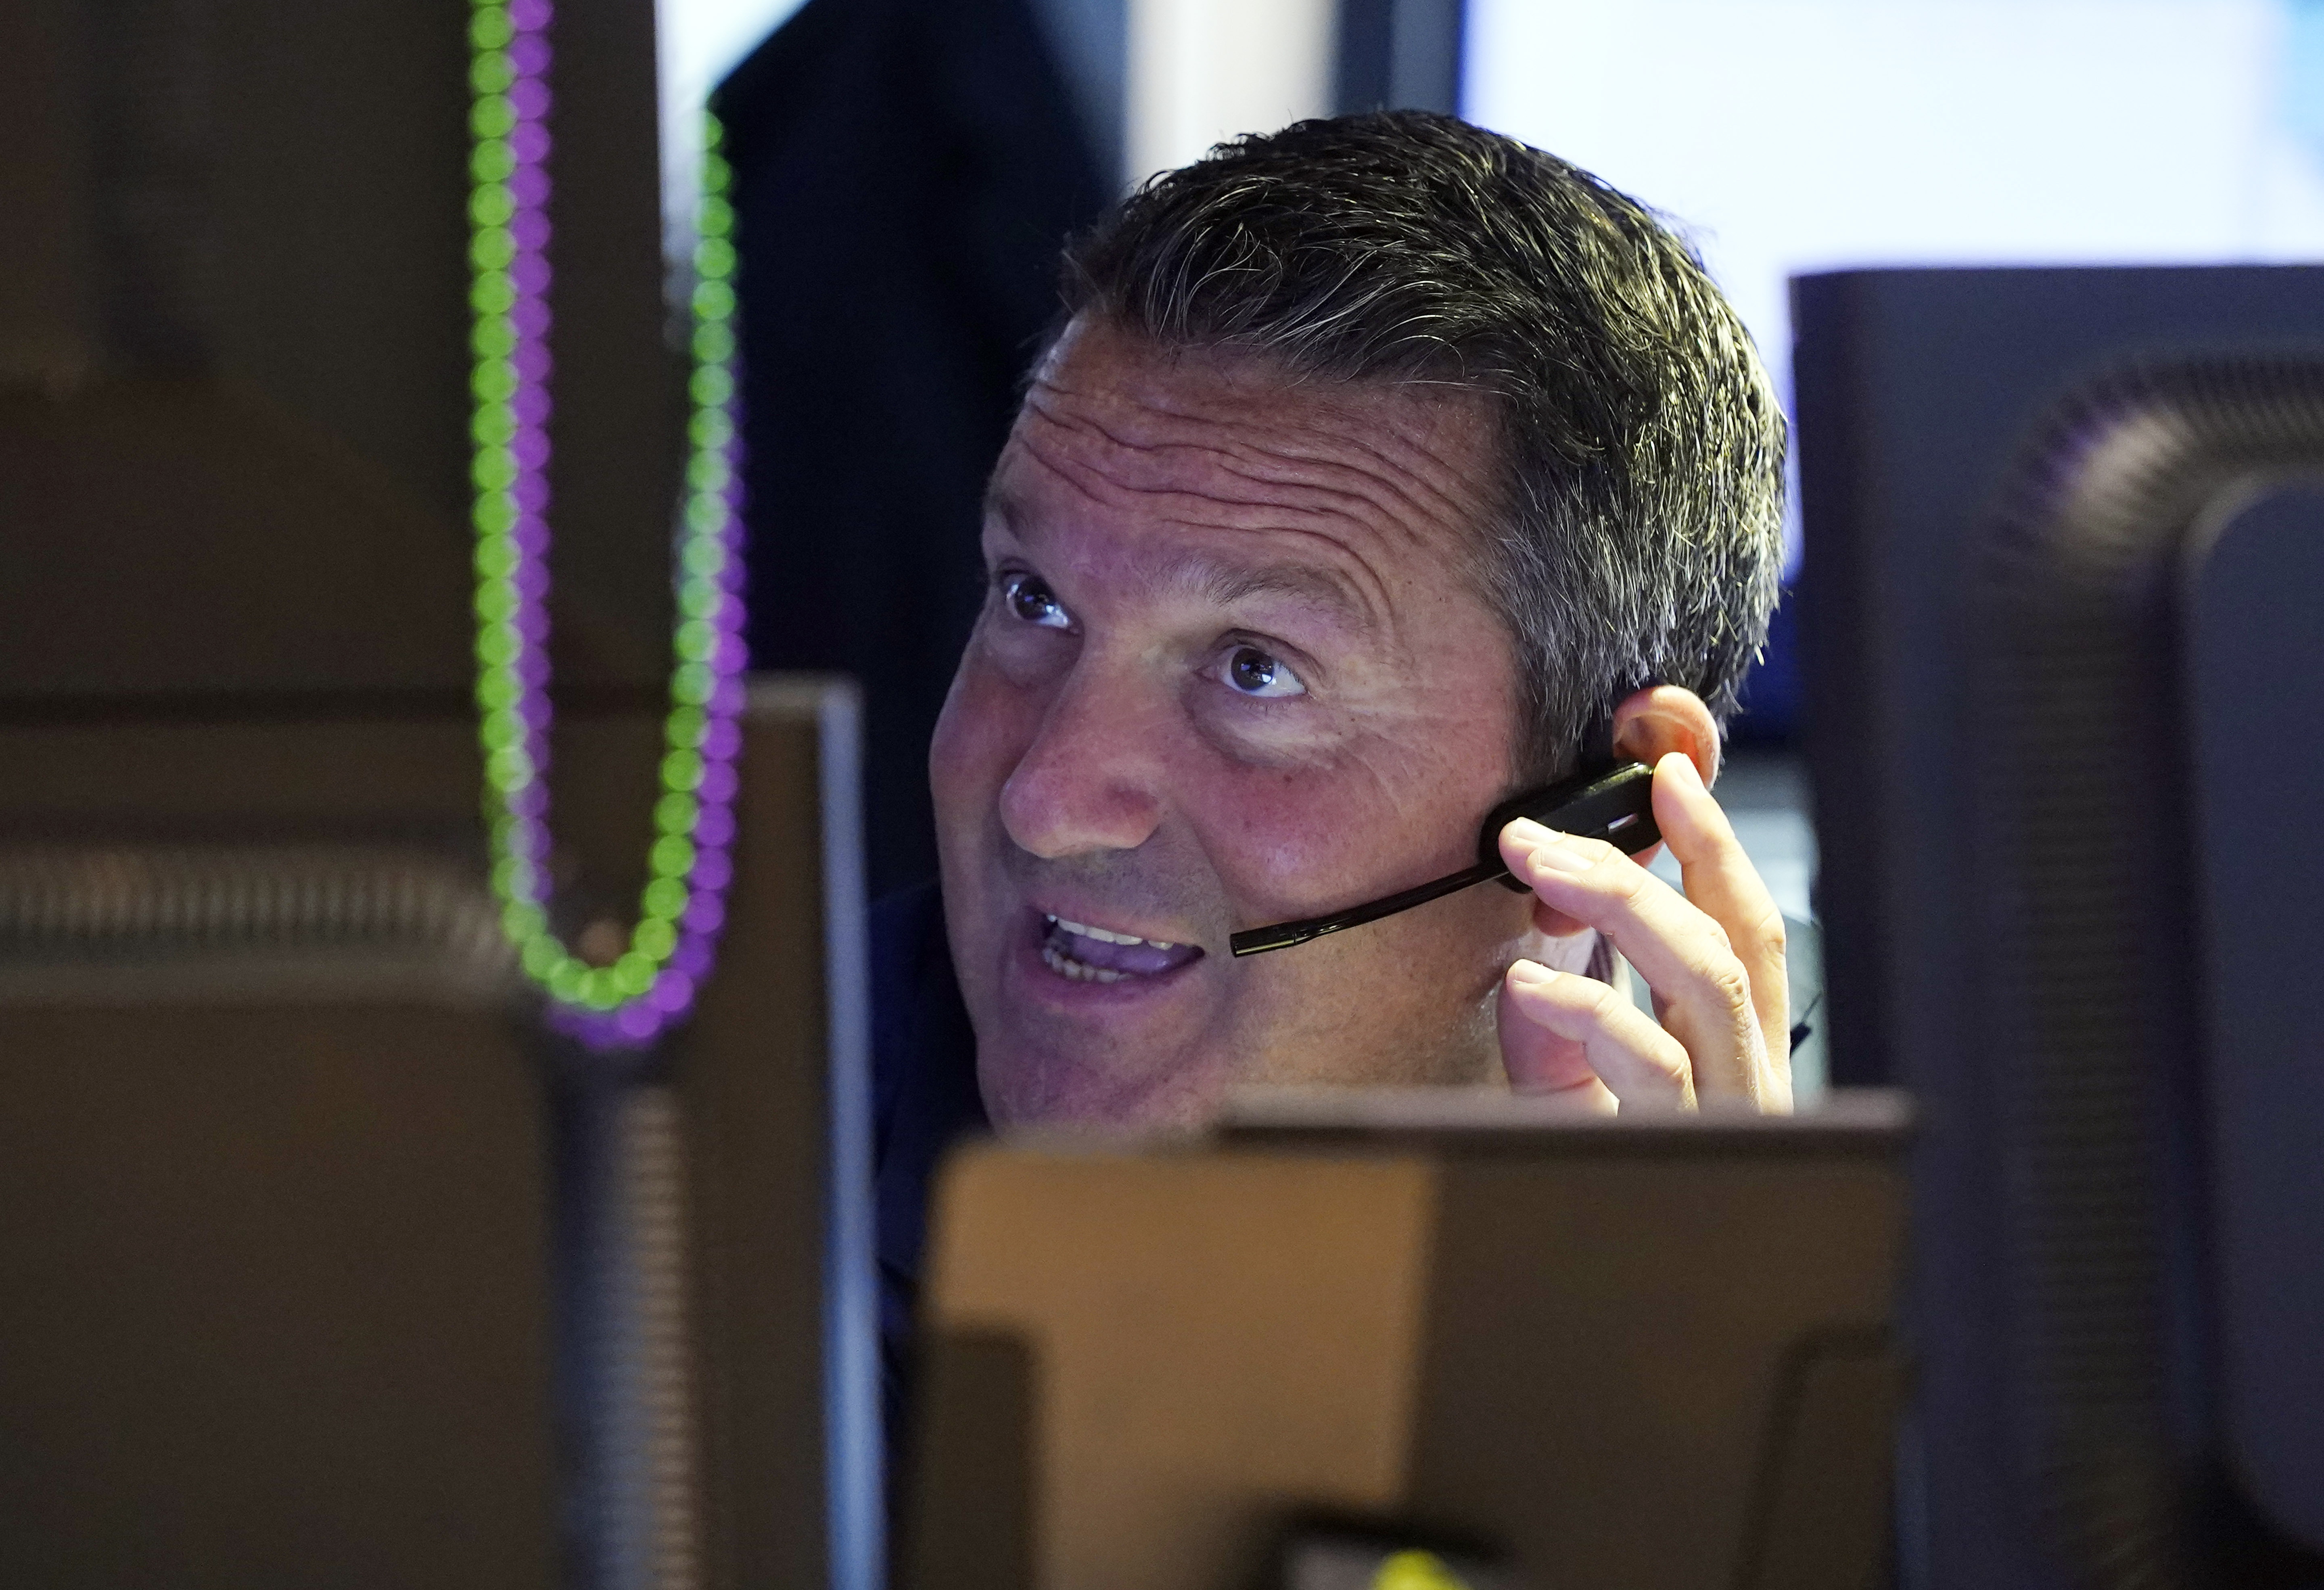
<point x="1085" y="954"/>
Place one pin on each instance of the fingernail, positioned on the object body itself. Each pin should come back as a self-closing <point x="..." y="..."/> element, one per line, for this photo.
<point x="1558" y="854"/>
<point x="1531" y="971"/>
<point x="1527" y="834"/>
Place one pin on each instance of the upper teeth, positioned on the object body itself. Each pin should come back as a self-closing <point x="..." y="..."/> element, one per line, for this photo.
<point x="1104" y="936"/>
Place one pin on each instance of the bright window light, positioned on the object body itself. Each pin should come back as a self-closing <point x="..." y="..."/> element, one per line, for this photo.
<point x="696" y="42"/>
<point x="1795" y="135"/>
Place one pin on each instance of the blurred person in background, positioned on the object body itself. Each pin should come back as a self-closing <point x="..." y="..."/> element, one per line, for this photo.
<point x="1378" y="469"/>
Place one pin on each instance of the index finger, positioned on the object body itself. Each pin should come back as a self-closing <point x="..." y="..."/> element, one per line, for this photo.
<point x="1724" y="885"/>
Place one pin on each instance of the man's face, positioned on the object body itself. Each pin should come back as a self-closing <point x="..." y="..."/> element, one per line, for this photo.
<point x="1230" y="670"/>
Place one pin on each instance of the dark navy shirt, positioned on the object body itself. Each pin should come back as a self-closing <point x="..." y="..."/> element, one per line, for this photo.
<point x="924" y="1097"/>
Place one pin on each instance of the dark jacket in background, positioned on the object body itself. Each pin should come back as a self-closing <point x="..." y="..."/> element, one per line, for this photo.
<point x="905" y="172"/>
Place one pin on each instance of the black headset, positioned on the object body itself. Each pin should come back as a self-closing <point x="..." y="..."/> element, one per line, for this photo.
<point x="1608" y="800"/>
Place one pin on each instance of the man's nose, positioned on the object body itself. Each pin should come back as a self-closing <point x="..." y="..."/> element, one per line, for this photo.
<point x="1089" y="781"/>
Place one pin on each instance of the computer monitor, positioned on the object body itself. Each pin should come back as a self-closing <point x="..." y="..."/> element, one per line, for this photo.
<point x="1590" y="1353"/>
<point x="2060" y="527"/>
<point x="325" y="1265"/>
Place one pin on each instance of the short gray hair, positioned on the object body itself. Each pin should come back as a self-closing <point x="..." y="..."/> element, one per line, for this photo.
<point x="1638" y="534"/>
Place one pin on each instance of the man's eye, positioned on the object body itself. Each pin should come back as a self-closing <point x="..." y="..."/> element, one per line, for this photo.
<point x="1029" y="597"/>
<point x="1255" y="673"/>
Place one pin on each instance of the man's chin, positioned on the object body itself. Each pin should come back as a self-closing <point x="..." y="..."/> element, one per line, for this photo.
<point x="1044" y="1084"/>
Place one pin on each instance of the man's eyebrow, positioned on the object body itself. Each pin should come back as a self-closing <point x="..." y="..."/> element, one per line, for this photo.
<point x="999" y="504"/>
<point x="1226" y="583"/>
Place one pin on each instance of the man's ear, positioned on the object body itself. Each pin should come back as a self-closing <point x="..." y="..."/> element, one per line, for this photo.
<point x="1651" y="723"/>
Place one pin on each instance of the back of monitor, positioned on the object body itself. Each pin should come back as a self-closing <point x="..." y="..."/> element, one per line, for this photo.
<point x="324" y="1265"/>
<point x="1611" y="1354"/>
<point x="275" y="1212"/>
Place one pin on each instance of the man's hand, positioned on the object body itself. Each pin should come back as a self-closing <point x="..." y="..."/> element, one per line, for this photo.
<point x="1713" y="957"/>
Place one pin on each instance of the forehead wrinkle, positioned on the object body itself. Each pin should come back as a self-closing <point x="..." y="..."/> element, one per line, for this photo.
<point x="1362" y="453"/>
<point x="1337" y="517"/>
<point x="1386" y="504"/>
<point x="1344" y="577"/>
<point x="1387" y="478"/>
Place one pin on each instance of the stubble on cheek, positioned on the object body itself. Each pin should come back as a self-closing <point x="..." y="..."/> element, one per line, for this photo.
<point x="1401" y="1003"/>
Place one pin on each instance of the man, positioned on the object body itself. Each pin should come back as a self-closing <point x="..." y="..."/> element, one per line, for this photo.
<point x="1382" y="467"/>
